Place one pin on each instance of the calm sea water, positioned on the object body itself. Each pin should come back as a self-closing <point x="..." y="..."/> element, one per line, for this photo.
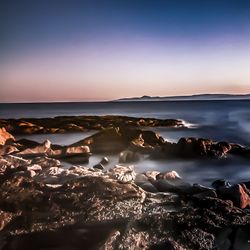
<point x="227" y="120"/>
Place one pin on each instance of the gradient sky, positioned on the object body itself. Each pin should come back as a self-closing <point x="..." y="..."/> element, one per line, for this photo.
<point x="72" y="50"/>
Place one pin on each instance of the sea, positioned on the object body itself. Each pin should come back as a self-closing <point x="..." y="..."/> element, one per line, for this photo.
<point x="220" y="120"/>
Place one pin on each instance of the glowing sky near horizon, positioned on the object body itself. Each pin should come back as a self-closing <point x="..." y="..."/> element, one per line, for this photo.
<point x="72" y="50"/>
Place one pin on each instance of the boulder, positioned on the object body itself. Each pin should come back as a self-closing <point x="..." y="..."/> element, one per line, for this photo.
<point x="5" y="136"/>
<point x="114" y="140"/>
<point x="238" y="194"/>
<point x="108" y="140"/>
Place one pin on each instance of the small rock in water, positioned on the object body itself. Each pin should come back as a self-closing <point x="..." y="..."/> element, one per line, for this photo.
<point x="98" y="166"/>
<point x="104" y="161"/>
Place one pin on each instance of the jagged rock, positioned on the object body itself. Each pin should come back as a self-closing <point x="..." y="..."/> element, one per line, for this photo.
<point x="114" y="140"/>
<point x="40" y="150"/>
<point x="5" y="136"/>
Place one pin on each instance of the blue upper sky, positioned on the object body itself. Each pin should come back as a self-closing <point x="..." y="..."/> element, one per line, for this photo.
<point x="86" y="47"/>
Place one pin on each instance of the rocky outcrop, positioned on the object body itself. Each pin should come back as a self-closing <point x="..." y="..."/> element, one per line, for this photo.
<point x="198" y="148"/>
<point x="63" y="124"/>
<point x="115" y="140"/>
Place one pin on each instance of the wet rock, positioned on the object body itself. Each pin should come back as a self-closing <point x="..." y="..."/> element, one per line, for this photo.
<point x="238" y="194"/>
<point x="128" y="156"/>
<point x="5" y="136"/>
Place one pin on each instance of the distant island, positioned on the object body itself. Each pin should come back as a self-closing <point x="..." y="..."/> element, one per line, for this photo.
<point x="198" y="97"/>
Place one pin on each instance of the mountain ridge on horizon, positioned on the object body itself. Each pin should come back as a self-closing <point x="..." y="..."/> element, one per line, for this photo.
<point x="187" y="97"/>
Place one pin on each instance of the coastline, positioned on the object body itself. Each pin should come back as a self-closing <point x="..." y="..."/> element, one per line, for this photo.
<point x="40" y="199"/>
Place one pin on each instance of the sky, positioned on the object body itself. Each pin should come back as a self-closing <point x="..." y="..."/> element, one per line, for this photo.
<point x="72" y="50"/>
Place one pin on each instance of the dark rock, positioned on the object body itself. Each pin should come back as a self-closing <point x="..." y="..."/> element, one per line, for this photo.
<point x="205" y="194"/>
<point x="238" y="194"/>
<point x="104" y="161"/>
<point x="114" y="140"/>
<point x="220" y="183"/>
<point x="175" y="186"/>
<point x="98" y="166"/>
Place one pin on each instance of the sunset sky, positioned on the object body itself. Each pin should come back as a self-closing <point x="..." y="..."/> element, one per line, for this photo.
<point x="72" y="50"/>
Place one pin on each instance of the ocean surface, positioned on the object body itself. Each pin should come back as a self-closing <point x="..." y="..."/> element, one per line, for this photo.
<point x="224" y="120"/>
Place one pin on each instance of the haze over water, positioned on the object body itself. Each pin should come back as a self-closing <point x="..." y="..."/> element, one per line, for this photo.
<point x="217" y="120"/>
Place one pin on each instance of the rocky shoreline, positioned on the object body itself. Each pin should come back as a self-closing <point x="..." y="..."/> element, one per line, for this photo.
<point x="67" y="124"/>
<point x="44" y="205"/>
